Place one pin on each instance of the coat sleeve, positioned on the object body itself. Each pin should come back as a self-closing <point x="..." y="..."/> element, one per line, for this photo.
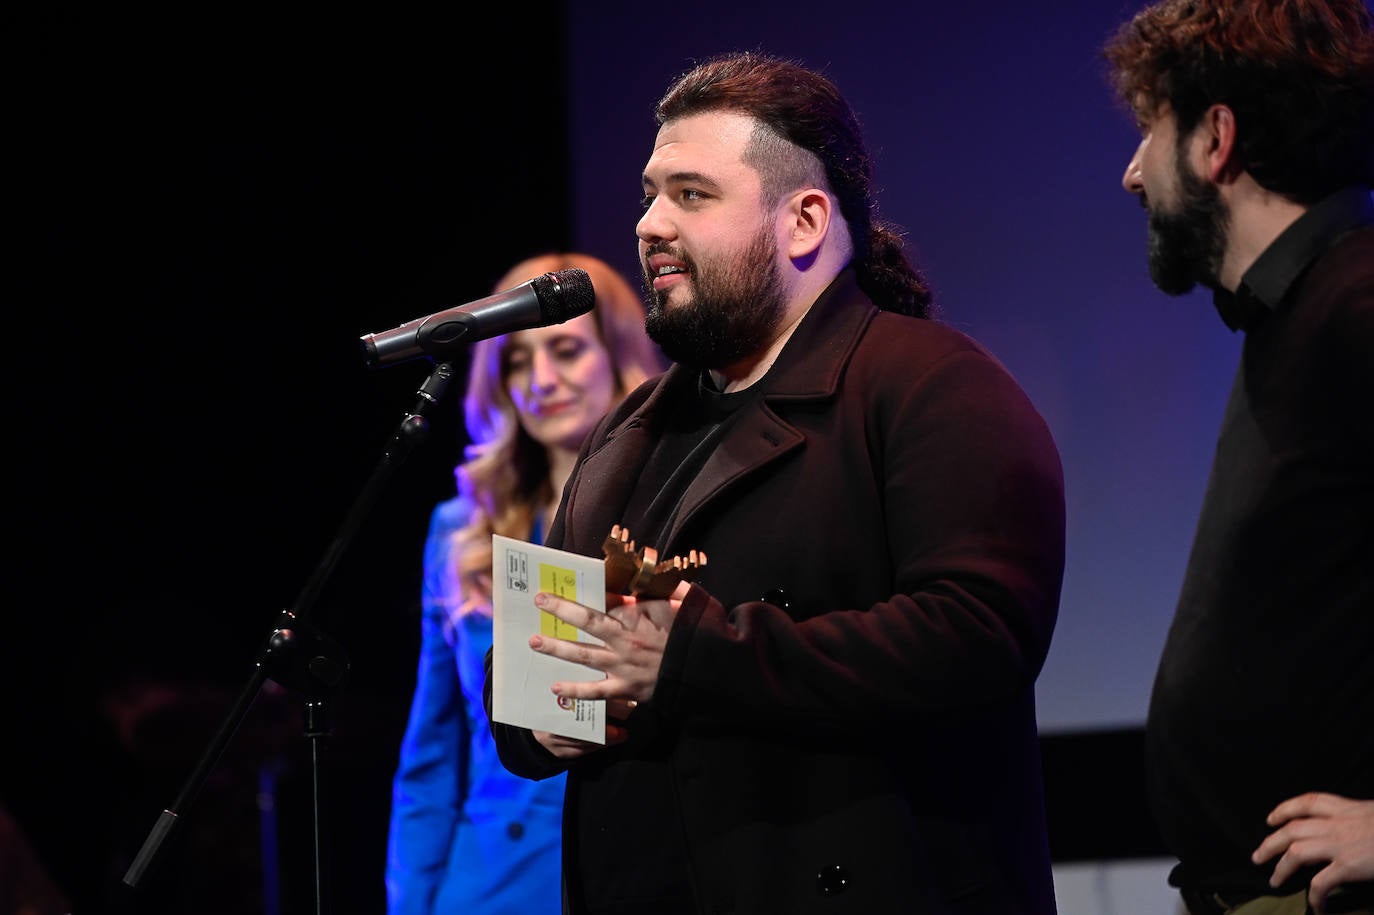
<point x="428" y="783"/>
<point x="519" y="752"/>
<point x="972" y="503"/>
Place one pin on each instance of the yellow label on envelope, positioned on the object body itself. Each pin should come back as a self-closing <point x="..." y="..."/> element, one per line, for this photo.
<point x="562" y="582"/>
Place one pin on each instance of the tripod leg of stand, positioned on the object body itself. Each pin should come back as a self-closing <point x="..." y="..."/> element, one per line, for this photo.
<point x="317" y="729"/>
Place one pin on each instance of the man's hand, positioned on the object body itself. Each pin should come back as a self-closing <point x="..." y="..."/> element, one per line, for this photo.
<point x="1314" y="828"/>
<point x="634" y="633"/>
<point x="617" y="710"/>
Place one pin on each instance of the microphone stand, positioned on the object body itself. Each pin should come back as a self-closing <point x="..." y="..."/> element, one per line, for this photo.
<point x="301" y="658"/>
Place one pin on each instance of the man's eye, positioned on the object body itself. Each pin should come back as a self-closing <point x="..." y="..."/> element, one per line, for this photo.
<point x="692" y="193"/>
<point x="645" y="202"/>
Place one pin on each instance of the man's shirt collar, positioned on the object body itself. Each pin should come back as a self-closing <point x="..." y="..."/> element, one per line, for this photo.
<point x="1263" y="287"/>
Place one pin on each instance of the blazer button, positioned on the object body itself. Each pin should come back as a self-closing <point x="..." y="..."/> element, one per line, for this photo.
<point x="515" y="830"/>
<point x="778" y="598"/>
<point x="832" y="880"/>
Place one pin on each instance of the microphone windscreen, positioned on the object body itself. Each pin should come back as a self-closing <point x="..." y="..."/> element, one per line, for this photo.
<point x="564" y="294"/>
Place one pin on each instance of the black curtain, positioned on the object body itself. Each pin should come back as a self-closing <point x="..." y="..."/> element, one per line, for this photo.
<point x="207" y="214"/>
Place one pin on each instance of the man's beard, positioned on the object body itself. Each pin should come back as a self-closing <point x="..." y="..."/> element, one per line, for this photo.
<point x="1186" y="246"/>
<point x="732" y="314"/>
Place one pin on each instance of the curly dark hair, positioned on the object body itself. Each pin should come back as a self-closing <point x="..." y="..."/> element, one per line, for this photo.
<point x="803" y="108"/>
<point x="1299" y="75"/>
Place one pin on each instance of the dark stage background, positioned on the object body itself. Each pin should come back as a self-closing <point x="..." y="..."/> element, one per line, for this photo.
<point x="210" y="214"/>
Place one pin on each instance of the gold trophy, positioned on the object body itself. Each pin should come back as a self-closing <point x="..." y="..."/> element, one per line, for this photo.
<point x="640" y="573"/>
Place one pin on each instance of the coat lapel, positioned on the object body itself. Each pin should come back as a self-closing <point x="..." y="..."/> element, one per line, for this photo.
<point x="809" y="368"/>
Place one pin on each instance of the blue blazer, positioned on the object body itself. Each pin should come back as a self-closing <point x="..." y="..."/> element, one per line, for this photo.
<point x="466" y="836"/>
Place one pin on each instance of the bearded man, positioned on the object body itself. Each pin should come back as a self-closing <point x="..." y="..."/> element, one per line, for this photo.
<point x="1255" y="166"/>
<point x="838" y="715"/>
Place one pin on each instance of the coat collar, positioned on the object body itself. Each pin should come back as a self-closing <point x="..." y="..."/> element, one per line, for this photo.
<point x="809" y="367"/>
<point x="812" y="361"/>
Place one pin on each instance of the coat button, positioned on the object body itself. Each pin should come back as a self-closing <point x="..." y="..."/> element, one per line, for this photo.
<point x="515" y="830"/>
<point x="832" y="880"/>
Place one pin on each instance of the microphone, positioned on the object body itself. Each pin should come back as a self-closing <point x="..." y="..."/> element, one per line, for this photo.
<point x="549" y="299"/>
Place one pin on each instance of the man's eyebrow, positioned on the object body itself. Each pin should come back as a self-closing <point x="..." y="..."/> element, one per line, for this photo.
<point x="680" y="178"/>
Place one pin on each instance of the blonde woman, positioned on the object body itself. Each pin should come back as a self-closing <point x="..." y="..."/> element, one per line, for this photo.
<point x="466" y="836"/>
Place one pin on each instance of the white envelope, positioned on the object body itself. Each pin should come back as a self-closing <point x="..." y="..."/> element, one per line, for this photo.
<point x="522" y="677"/>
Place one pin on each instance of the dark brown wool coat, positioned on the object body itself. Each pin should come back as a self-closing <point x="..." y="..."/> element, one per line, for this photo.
<point x="871" y="746"/>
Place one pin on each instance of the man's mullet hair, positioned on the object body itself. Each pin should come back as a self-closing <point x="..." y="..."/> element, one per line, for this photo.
<point x="798" y="107"/>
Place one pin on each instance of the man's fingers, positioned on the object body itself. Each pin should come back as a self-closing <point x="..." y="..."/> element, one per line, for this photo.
<point x="1273" y="843"/>
<point x="1313" y="803"/>
<point x="569" y="611"/>
<point x="625" y="615"/>
<point x="565" y="747"/>
<point x="587" y="655"/>
<point x="619" y="709"/>
<point x="620" y="616"/>
<point x="1285" y="868"/>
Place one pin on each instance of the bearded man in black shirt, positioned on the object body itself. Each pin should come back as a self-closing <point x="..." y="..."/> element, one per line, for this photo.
<point x="1257" y="156"/>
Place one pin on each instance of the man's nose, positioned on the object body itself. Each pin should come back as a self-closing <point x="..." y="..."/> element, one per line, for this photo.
<point x="653" y="225"/>
<point x="1131" y="180"/>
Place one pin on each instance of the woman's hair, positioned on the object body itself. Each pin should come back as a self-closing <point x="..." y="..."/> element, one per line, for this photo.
<point x="505" y="473"/>
<point x="1298" y="74"/>
<point x="805" y="122"/>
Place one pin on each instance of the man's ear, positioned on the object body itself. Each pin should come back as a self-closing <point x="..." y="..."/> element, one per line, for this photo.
<point x="808" y="222"/>
<point x="1217" y="139"/>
